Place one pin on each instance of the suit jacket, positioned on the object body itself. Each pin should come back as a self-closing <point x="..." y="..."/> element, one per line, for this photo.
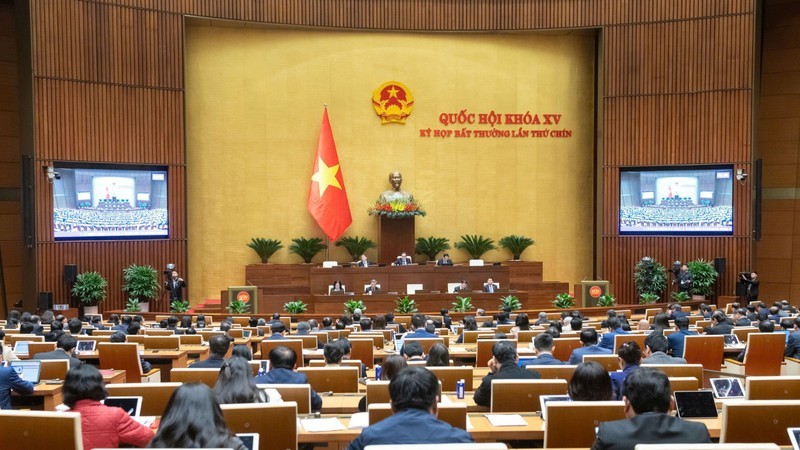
<point x="371" y="290"/>
<point x="577" y="355"/>
<point x="676" y="340"/>
<point x="649" y="428"/>
<point x="175" y="288"/>
<point x="617" y="378"/>
<point x="607" y="341"/>
<point x="400" y="262"/>
<point x="743" y="322"/>
<point x="442" y="262"/>
<point x="793" y="345"/>
<point x="10" y="381"/>
<point x="286" y="376"/>
<point x="417" y="334"/>
<point x="458" y="289"/>
<point x="362" y="264"/>
<point x="545" y="359"/>
<point x="663" y="358"/>
<point x="752" y="289"/>
<point x="489" y="287"/>
<point x="410" y="426"/>
<point x="723" y="328"/>
<point x="212" y="362"/>
<point x="507" y="371"/>
<point x="60" y="354"/>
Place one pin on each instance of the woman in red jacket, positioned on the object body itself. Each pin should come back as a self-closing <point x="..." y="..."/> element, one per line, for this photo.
<point x="102" y="426"/>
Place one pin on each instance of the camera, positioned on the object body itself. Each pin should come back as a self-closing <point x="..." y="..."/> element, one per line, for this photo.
<point x="52" y="174"/>
<point x="741" y="175"/>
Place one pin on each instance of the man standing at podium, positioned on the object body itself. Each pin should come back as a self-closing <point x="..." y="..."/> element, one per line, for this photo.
<point x="175" y="287"/>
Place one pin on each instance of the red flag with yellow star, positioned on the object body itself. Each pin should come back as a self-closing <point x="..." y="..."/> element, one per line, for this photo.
<point x="327" y="198"/>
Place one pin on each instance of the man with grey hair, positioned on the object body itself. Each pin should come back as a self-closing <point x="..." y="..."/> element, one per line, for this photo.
<point x="303" y="329"/>
<point x="542" y="320"/>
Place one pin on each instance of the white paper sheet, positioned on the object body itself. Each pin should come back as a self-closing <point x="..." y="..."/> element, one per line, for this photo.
<point x="358" y="420"/>
<point x="319" y="425"/>
<point x="506" y="420"/>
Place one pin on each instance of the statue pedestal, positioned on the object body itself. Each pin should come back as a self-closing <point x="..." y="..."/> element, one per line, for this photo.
<point x="395" y="236"/>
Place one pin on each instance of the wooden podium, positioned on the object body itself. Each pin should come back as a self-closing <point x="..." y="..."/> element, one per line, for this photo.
<point x="395" y="236"/>
<point x="592" y="290"/>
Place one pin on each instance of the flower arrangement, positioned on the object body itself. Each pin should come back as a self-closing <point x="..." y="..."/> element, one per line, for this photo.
<point x="396" y="209"/>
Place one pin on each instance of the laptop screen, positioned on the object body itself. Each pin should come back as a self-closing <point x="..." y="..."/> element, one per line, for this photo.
<point x="731" y="339"/>
<point x="727" y="387"/>
<point x="695" y="404"/>
<point x="21" y="347"/>
<point x="131" y="405"/>
<point x="794" y="436"/>
<point x="86" y="346"/>
<point x="27" y="370"/>
<point x="545" y="399"/>
<point x="250" y="440"/>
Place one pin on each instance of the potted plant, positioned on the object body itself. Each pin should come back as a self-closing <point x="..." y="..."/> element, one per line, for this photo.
<point x="606" y="300"/>
<point x="265" y="248"/>
<point x="90" y="288"/>
<point x="306" y="248"/>
<point x="475" y="245"/>
<point x="351" y="306"/>
<point x="238" y="307"/>
<point x="647" y="298"/>
<point x="510" y="301"/>
<point x="564" y="301"/>
<point x="649" y="277"/>
<point x="463" y="304"/>
<point x="704" y="276"/>
<point x="355" y="246"/>
<point x="133" y="306"/>
<point x="679" y="296"/>
<point x="516" y="244"/>
<point x="431" y="246"/>
<point x="295" y="307"/>
<point x="179" y="306"/>
<point x="140" y="283"/>
<point x="405" y="305"/>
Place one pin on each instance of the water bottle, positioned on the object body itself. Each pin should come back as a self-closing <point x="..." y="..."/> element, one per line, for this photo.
<point x="460" y="389"/>
<point x="377" y="371"/>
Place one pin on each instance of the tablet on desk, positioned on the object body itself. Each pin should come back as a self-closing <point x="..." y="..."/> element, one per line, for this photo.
<point x="545" y="399"/>
<point x="250" y="440"/>
<point x="86" y="346"/>
<point x="727" y="387"/>
<point x="794" y="436"/>
<point x="695" y="404"/>
<point x="131" y="405"/>
<point x="731" y="340"/>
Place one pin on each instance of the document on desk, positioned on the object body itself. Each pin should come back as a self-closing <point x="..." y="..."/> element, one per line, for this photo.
<point x="506" y="420"/>
<point x="321" y="425"/>
<point x="358" y="420"/>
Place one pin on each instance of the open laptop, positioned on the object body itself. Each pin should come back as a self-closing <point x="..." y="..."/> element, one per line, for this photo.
<point x="695" y="404"/>
<point x="398" y="341"/>
<point x="545" y="399"/>
<point x="131" y="405"/>
<point x="250" y="440"/>
<point x="727" y="387"/>
<point x="86" y="346"/>
<point x="794" y="436"/>
<point x="246" y="333"/>
<point x="731" y="340"/>
<point x="21" y="347"/>
<point x="28" y="370"/>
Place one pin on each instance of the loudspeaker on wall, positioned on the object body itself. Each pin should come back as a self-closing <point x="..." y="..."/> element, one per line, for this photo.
<point x="45" y="300"/>
<point x="719" y="265"/>
<point x="70" y="273"/>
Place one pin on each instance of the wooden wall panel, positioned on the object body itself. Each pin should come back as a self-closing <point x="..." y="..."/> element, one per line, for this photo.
<point x="677" y="87"/>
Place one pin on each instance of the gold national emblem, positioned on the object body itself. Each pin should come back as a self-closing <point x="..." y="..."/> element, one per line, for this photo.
<point x="243" y="296"/>
<point x="393" y="102"/>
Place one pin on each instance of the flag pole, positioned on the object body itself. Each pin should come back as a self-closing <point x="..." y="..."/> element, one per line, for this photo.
<point x="327" y="248"/>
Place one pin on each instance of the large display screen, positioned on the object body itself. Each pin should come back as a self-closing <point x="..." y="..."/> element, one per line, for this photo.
<point x="110" y="202"/>
<point x="688" y="200"/>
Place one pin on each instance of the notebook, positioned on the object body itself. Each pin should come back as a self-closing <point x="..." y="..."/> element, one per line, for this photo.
<point x="695" y="404"/>
<point x="131" y="405"/>
<point x="21" y="347"/>
<point x="250" y="440"/>
<point x="727" y="387"/>
<point x="86" y="346"/>
<point x="28" y="370"/>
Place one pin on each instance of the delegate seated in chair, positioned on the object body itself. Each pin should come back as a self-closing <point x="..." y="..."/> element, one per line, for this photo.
<point x="490" y="285"/>
<point x="372" y="288"/>
<point x="282" y="361"/>
<point x="336" y="288"/>
<point x="402" y="260"/>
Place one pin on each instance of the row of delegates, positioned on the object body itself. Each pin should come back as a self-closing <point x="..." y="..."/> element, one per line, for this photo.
<point x="404" y="259"/>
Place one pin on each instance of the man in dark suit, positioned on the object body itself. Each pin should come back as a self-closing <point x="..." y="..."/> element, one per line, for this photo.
<point x="543" y="343"/>
<point x="373" y="287"/>
<point x="10" y="381"/>
<point x="414" y="396"/>
<point x="175" y="286"/>
<point x="648" y="400"/>
<point x="402" y="260"/>
<point x="676" y="339"/>
<point x="751" y="284"/>
<point x="503" y="366"/>
<point x="64" y="347"/>
<point x="590" y="347"/>
<point x="614" y="328"/>
<point x="363" y="262"/>
<point x="489" y="286"/>
<point x="447" y="321"/>
<point x="445" y="261"/>
<point x="684" y="279"/>
<point x="762" y="312"/>
<point x="461" y="287"/>
<point x="282" y="360"/>
<point x="278" y="331"/>
<point x="172" y="324"/>
<point x="218" y="345"/>
<point x="793" y="344"/>
<point x="740" y="318"/>
<point x="720" y="324"/>
<point x="676" y="311"/>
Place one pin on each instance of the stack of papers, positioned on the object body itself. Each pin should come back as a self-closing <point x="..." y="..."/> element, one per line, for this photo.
<point x="506" y="420"/>
<point x="358" y="420"/>
<point x="322" y="425"/>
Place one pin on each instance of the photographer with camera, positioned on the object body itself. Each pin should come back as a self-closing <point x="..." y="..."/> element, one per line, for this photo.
<point x="174" y="285"/>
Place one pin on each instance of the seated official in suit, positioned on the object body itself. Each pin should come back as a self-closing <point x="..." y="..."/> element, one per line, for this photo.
<point x="648" y="400"/>
<point x="503" y="366"/>
<point x="373" y="287"/>
<point x="740" y="318"/>
<point x="402" y="260"/>
<point x="463" y="287"/>
<point x="764" y="326"/>
<point x="363" y="261"/>
<point x="64" y="347"/>
<point x="414" y="396"/>
<point x="543" y="343"/>
<point x="418" y="329"/>
<point x="445" y="261"/>
<point x="218" y="345"/>
<point x="278" y="330"/>
<point x="282" y="360"/>
<point x="337" y="288"/>
<point x="676" y="339"/>
<point x="489" y="286"/>
<point x="720" y="324"/>
<point x="630" y="357"/>
<point x="614" y="328"/>
<point x="120" y="337"/>
<point x="413" y="351"/>
<point x="590" y="383"/>
<point x="655" y="350"/>
<point x="793" y="343"/>
<point x="10" y="381"/>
